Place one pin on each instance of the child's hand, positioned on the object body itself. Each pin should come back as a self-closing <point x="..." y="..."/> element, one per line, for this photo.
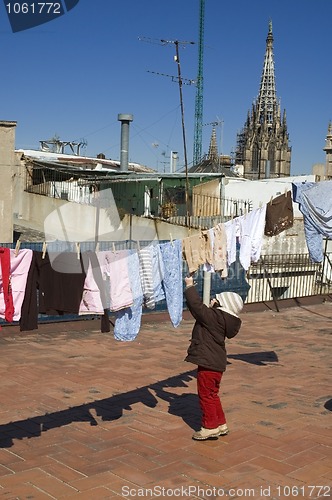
<point x="189" y="280"/>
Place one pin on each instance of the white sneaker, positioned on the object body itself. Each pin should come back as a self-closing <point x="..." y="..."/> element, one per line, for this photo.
<point x="223" y="430"/>
<point x="204" y="434"/>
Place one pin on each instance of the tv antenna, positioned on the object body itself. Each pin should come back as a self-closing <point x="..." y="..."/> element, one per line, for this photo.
<point x="185" y="81"/>
<point x="180" y="81"/>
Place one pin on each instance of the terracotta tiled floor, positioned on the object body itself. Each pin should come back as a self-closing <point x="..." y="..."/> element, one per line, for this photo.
<point x="83" y="416"/>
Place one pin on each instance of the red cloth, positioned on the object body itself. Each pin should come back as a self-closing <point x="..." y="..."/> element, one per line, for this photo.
<point x="6" y="284"/>
<point x="208" y="384"/>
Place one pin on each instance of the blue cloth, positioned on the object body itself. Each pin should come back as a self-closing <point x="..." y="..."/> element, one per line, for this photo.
<point x="166" y="264"/>
<point x="318" y="200"/>
<point x="173" y="283"/>
<point x="128" y="320"/>
<point x="315" y="203"/>
<point x="158" y="270"/>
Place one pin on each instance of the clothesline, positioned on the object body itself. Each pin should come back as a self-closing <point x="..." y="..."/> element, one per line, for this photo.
<point x="124" y="281"/>
<point x="121" y="282"/>
<point x="96" y="245"/>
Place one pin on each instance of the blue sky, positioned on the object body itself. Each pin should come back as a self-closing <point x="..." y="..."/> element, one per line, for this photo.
<point x="71" y="77"/>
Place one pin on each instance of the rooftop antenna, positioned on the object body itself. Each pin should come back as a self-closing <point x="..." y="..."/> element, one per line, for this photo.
<point x="55" y="145"/>
<point x="180" y="82"/>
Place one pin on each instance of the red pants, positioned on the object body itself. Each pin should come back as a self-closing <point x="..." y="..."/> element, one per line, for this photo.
<point x="208" y="383"/>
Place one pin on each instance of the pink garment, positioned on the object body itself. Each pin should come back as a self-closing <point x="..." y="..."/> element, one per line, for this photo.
<point x="114" y="265"/>
<point x="6" y="283"/>
<point x="91" y="302"/>
<point x="19" y="268"/>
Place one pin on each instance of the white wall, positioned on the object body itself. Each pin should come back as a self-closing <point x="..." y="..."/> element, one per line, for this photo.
<point x="263" y="190"/>
<point x="70" y="221"/>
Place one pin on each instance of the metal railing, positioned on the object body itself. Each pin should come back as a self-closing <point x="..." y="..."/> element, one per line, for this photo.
<point x="204" y="205"/>
<point x="77" y="186"/>
<point x="69" y="185"/>
<point x="278" y="277"/>
<point x="272" y="278"/>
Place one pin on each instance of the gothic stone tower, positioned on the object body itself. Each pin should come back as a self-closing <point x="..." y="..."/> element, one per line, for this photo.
<point x="263" y="144"/>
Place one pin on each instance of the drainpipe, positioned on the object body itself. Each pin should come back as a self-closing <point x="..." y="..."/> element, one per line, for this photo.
<point x="125" y="120"/>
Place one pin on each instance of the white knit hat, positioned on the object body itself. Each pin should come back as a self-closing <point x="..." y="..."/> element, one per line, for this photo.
<point x="230" y="302"/>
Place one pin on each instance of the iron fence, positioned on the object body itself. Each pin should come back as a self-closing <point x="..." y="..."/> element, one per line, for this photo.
<point x="206" y="205"/>
<point x="80" y="187"/>
<point x="277" y="277"/>
<point x="70" y="185"/>
<point x="273" y="277"/>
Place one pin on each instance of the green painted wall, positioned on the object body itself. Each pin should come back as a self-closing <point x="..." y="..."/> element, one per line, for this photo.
<point x="129" y="196"/>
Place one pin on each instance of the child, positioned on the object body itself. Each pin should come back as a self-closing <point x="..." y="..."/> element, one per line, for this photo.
<point x="207" y="350"/>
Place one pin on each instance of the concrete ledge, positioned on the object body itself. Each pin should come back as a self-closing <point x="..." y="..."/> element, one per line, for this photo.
<point x="81" y="323"/>
<point x="286" y="303"/>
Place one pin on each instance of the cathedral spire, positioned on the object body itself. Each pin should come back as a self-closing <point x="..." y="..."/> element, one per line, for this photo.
<point x="263" y="144"/>
<point x="267" y="100"/>
<point x="213" y="148"/>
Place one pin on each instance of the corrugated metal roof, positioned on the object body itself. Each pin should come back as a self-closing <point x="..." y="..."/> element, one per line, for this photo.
<point x="118" y="175"/>
<point x="98" y="164"/>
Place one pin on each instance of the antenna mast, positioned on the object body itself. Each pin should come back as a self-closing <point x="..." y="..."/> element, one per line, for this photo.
<point x="197" y="154"/>
<point x="180" y="82"/>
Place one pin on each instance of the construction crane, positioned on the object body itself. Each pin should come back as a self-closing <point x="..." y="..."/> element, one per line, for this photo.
<point x="197" y="154"/>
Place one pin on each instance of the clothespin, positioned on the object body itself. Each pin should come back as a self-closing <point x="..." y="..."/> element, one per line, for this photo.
<point x="17" y="247"/>
<point x="286" y="191"/>
<point x="171" y="238"/>
<point x="97" y="247"/>
<point x="260" y="204"/>
<point x="138" y="245"/>
<point x="78" y="250"/>
<point x="271" y="200"/>
<point x="113" y="247"/>
<point x="44" y="249"/>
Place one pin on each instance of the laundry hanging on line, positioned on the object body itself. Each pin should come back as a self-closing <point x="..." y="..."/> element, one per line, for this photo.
<point x="315" y="203"/>
<point x="60" y="283"/>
